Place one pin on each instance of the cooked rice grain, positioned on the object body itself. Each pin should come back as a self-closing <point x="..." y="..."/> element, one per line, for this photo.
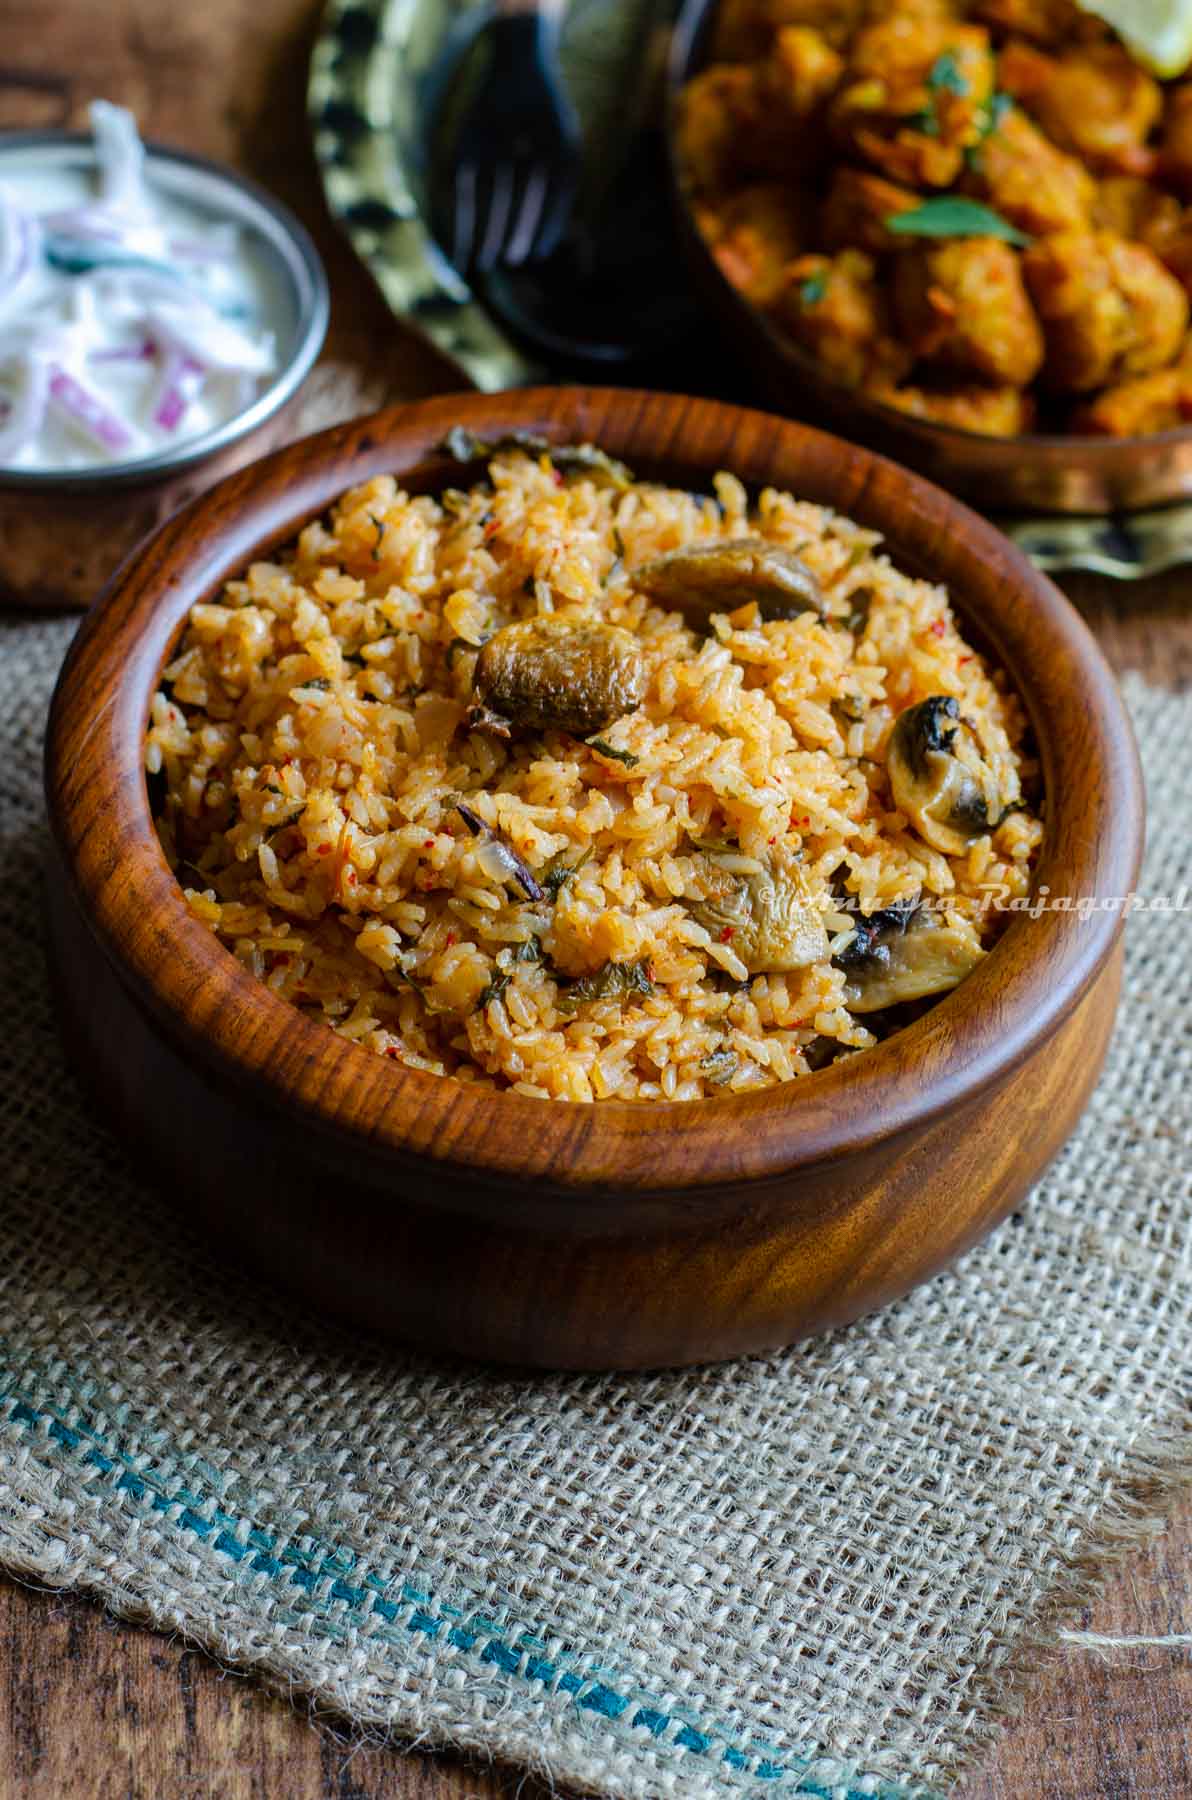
<point x="312" y="735"/>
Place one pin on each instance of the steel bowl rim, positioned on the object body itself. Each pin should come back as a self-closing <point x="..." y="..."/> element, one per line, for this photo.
<point x="307" y="280"/>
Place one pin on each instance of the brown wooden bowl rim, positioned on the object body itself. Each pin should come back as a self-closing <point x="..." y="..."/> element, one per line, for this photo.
<point x="230" y="1023"/>
<point x="1089" y="447"/>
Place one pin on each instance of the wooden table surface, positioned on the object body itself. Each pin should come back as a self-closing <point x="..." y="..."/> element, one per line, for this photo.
<point x="92" y="1707"/>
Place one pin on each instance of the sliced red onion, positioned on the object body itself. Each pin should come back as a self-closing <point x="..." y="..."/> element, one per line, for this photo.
<point x="121" y="157"/>
<point x="195" y="331"/>
<point x="90" y="415"/>
<point x="498" y="859"/>
<point x="26" y="410"/>
<point x="181" y="380"/>
<point x="20" y="242"/>
<point x="145" y="351"/>
<point x="88" y="222"/>
<point x="137" y="286"/>
<point x="220" y="247"/>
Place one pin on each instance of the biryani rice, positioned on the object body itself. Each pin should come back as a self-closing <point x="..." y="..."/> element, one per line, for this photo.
<point x="311" y="742"/>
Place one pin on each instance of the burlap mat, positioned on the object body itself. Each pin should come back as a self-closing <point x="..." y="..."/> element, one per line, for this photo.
<point x="812" y="1573"/>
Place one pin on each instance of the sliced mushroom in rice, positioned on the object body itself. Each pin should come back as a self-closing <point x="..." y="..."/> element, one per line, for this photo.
<point x="768" y="916"/>
<point x="549" y="673"/>
<point x="717" y="578"/>
<point x="902" y="953"/>
<point x="587" y="459"/>
<point x="938" y="777"/>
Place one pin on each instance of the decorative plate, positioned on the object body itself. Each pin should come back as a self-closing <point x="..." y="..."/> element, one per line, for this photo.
<point x="378" y="69"/>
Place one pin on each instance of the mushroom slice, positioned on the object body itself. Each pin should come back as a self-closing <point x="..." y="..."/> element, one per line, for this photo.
<point x="938" y="778"/>
<point x="548" y="673"/>
<point x="589" y="459"/>
<point x="902" y="954"/>
<point x="769" y="917"/>
<point x="717" y="578"/>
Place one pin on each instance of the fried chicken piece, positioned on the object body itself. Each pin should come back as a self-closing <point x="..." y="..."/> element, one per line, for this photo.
<point x="1148" y="403"/>
<point x="801" y="71"/>
<point x="1138" y="209"/>
<point x="915" y="98"/>
<point x="1048" y="22"/>
<point x="1135" y="208"/>
<point x="834" y="307"/>
<point x="745" y="29"/>
<point x="1175" y="143"/>
<point x="962" y="305"/>
<point x="1174" y="250"/>
<point x="1095" y="101"/>
<point x="1108" y="307"/>
<point x="1026" y="179"/>
<point x="740" y="121"/>
<point x="875" y="11"/>
<point x="993" y="411"/>
<point x="753" y="236"/>
<point x="725" y="129"/>
<point x="856" y="210"/>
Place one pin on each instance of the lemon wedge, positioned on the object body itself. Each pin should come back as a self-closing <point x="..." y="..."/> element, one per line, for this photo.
<point x="1159" y="32"/>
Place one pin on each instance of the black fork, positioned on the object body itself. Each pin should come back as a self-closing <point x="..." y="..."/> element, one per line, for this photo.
<point x="514" y="160"/>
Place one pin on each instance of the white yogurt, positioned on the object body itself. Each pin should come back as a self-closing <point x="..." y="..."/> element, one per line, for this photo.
<point x="130" y="322"/>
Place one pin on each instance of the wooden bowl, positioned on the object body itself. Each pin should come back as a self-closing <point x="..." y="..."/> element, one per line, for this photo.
<point x="59" y="548"/>
<point x="612" y="1235"/>
<point x="1036" y="472"/>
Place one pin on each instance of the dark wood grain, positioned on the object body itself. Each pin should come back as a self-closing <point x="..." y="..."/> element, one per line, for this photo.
<point x="614" y="1235"/>
<point x="90" y="1707"/>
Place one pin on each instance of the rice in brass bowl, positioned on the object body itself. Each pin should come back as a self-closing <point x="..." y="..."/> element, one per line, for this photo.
<point x="617" y="1234"/>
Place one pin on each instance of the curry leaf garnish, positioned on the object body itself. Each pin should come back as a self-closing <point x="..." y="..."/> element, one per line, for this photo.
<point x="999" y="106"/>
<point x="603" y="746"/>
<point x="858" y="619"/>
<point x="466" y="447"/>
<point x="398" y="977"/>
<point x="496" y="987"/>
<point x="945" y="74"/>
<point x="813" y="290"/>
<point x="613" y="982"/>
<point x="989" y="122"/>
<point x="559" y="873"/>
<point x="293" y="819"/>
<point x="948" y="215"/>
<point x="380" y="527"/>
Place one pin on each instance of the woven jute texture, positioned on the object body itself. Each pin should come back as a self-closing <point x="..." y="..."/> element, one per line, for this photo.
<point x="816" y="1572"/>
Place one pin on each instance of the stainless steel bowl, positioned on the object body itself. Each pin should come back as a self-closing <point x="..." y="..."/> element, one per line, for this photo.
<point x="268" y="227"/>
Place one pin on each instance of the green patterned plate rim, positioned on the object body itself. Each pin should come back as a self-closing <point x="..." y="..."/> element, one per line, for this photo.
<point x="370" y="63"/>
<point x="366" y="68"/>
